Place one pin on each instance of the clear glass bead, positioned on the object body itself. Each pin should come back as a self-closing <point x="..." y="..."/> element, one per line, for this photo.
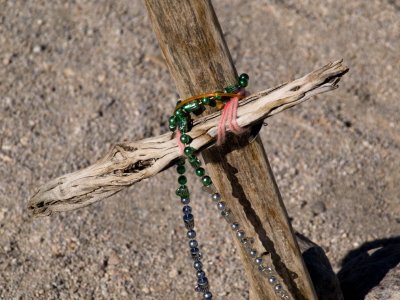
<point x="188" y="219"/>
<point x="228" y="215"/>
<point x="209" y="189"/>
<point x="195" y="253"/>
<point x="247" y="242"/>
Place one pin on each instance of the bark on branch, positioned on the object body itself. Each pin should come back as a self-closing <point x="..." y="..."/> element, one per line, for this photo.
<point x="128" y="163"/>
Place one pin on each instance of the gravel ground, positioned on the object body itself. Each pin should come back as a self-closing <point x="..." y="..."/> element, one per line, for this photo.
<point x="79" y="76"/>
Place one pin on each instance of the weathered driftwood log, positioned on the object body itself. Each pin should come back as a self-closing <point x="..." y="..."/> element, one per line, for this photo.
<point x="130" y="162"/>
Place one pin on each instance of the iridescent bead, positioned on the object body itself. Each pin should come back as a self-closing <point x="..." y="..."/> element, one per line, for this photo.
<point x="272" y="279"/>
<point x="185" y="201"/>
<point x="235" y="226"/>
<point x="200" y="172"/>
<point x="240" y="234"/>
<point x="206" y="180"/>
<point x="216" y="197"/>
<point x="253" y="252"/>
<point x="188" y="219"/>
<point x="221" y="205"/>
<point x="195" y="252"/>
<point x="193" y="243"/>
<point x="200" y="274"/>
<point x="277" y="288"/>
<point x="191" y="234"/>
<point x="198" y="265"/>
<point x="186" y="209"/>
<point x="202" y="284"/>
<point x="258" y="260"/>
<point x="207" y="296"/>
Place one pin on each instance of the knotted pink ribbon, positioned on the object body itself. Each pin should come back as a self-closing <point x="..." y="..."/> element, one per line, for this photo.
<point x="228" y="117"/>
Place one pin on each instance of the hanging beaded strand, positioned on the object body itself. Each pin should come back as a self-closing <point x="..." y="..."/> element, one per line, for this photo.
<point x="181" y="121"/>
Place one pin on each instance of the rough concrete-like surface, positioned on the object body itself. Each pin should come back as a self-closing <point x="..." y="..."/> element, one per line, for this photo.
<point x="78" y="76"/>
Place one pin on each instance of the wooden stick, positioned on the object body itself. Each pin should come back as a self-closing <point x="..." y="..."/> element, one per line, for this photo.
<point x="131" y="162"/>
<point x="193" y="45"/>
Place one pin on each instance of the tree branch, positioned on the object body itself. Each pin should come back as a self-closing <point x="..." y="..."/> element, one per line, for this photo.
<point x="128" y="163"/>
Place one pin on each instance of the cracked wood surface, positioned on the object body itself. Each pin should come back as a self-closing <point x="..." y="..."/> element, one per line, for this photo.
<point x="130" y="162"/>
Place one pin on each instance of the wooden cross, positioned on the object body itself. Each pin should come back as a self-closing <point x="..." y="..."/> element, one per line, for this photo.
<point x="199" y="61"/>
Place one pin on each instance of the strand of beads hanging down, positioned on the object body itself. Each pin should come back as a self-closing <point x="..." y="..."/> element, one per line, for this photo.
<point x="181" y="123"/>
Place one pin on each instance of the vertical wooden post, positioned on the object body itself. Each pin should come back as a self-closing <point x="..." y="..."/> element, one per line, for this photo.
<point x="191" y="40"/>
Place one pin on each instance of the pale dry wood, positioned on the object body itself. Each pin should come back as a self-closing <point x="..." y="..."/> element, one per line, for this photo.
<point x="198" y="58"/>
<point x="130" y="162"/>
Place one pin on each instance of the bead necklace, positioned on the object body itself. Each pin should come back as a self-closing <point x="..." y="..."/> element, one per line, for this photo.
<point x="181" y="123"/>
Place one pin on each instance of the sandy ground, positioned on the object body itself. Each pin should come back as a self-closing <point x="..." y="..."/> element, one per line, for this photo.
<point x="79" y="76"/>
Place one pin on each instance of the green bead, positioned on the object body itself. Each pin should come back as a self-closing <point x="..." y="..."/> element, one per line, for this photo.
<point x="230" y="89"/>
<point x="195" y="162"/>
<point x="188" y="151"/>
<point x="183" y="123"/>
<point x="244" y="76"/>
<point x="200" y="110"/>
<point x="172" y="128"/>
<point x="182" y="179"/>
<point x="243" y="83"/>
<point x="191" y="106"/>
<point x="183" y="191"/>
<point x="181" y="169"/>
<point x="213" y="103"/>
<point x="218" y="97"/>
<point x="181" y="162"/>
<point x="172" y="121"/>
<point x="205" y="101"/>
<point x="180" y="113"/>
<point x="200" y="172"/>
<point x="206" y="180"/>
<point x="185" y="139"/>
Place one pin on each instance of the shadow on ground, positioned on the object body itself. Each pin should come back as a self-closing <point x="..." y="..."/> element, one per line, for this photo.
<point x="365" y="267"/>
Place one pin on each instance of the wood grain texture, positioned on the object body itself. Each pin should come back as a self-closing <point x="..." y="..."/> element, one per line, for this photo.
<point x="193" y="45"/>
<point x="131" y="162"/>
